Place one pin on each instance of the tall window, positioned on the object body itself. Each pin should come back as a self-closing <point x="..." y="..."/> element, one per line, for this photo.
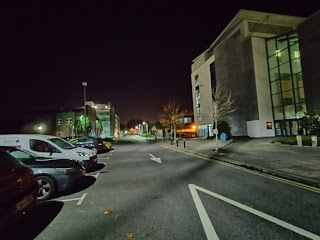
<point x="285" y="75"/>
<point x="198" y="109"/>
<point x="213" y="75"/>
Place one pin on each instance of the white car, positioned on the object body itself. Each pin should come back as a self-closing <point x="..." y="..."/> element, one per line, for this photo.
<point x="50" y="147"/>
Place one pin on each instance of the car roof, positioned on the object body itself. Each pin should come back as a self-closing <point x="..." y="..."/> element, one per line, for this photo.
<point x="24" y="136"/>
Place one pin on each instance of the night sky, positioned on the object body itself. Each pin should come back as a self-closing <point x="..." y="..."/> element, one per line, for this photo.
<point x="135" y="54"/>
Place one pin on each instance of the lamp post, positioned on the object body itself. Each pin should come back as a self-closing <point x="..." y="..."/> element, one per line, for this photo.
<point x="145" y="123"/>
<point x="84" y="84"/>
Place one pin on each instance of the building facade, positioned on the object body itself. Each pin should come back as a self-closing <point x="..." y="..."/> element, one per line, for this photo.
<point x="109" y="120"/>
<point x="257" y="58"/>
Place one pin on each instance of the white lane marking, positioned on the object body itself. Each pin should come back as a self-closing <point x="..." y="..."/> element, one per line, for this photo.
<point x="206" y="223"/>
<point x="96" y="176"/>
<point x="81" y="199"/>
<point x="80" y="211"/>
<point x="69" y="200"/>
<point x="154" y="158"/>
<point x="277" y="221"/>
<point x="100" y="158"/>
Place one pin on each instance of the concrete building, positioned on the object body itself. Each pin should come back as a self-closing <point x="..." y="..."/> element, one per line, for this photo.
<point x="108" y="118"/>
<point x="257" y="57"/>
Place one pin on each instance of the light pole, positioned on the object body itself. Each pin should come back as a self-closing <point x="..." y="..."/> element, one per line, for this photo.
<point x="145" y="123"/>
<point x="84" y="84"/>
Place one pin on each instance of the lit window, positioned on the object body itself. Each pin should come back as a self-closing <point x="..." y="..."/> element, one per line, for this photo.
<point x="69" y="121"/>
<point x="59" y="121"/>
<point x="296" y="54"/>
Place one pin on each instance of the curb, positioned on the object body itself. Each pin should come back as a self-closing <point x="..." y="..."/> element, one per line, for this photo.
<point x="299" y="179"/>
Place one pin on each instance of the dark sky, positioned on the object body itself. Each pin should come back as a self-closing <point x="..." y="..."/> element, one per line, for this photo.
<point x="135" y="54"/>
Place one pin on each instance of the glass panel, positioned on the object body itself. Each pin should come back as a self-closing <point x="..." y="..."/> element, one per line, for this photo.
<point x="273" y="61"/>
<point x="275" y="87"/>
<point x="293" y="38"/>
<point x="282" y="42"/>
<point x="301" y="110"/>
<point x="294" y="51"/>
<point x="283" y="56"/>
<point x="288" y="133"/>
<point x="278" y="113"/>
<point x="285" y="69"/>
<point x="286" y="84"/>
<point x="296" y="66"/>
<point x="287" y="98"/>
<point x="297" y="80"/>
<point x="277" y="126"/>
<point x="274" y="74"/>
<point x="289" y="112"/>
<point x="299" y="95"/>
<point x="276" y="100"/>
<point x="271" y="45"/>
<point x="294" y="127"/>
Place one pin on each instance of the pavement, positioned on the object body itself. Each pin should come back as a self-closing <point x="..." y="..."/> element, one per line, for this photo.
<point x="299" y="164"/>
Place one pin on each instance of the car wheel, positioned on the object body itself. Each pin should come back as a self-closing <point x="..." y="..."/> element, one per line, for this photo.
<point x="46" y="187"/>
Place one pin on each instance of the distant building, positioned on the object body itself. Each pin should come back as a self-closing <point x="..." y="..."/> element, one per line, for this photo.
<point x="110" y="126"/>
<point x="269" y="62"/>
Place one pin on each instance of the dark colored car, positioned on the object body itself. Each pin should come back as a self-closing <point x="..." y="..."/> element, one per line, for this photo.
<point x="52" y="175"/>
<point x="18" y="188"/>
<point x="90" y="142"/>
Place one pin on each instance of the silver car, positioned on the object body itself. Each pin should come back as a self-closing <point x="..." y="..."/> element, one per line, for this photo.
<point x="53" y="175"/>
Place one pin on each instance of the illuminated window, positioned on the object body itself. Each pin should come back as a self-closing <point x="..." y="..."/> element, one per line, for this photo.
<point x="59" y="121"/>
<point x="269" y="125"/>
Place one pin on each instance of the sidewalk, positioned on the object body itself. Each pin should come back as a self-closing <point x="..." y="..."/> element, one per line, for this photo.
<point x="300" y="164"/>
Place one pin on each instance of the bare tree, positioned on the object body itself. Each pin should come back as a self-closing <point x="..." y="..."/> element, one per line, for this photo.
<point x="222" y="105"/>
<point x="171" y="116"/>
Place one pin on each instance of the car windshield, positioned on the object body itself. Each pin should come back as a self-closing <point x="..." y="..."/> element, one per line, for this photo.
<point x="62" y="143"/>
<point x="22" y="155"/>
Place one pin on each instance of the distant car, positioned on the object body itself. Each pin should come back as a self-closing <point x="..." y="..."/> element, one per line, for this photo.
<point x="52" y="175"/>
<point x="108" y="144"/>
<point x="91" y="143"/>
<point x="18" y="188"/>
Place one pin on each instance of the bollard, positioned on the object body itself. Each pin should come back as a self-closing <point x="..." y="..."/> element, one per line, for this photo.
<point x="171" y="141"/>
<point x="184" y="143"/>
<point x="177" y="143"/>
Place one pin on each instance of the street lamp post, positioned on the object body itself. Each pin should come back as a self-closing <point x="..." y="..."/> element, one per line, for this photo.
<point x="84" y="84"/>
<point x="145" y="123"/>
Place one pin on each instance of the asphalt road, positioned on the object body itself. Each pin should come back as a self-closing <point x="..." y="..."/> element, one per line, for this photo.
<point x="178" y="196"/>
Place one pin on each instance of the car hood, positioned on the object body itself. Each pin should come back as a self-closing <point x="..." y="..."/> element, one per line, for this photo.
<point x="84" y="150"/>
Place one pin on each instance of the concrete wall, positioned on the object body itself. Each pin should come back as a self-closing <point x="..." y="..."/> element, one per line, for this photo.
<point x="205" y="91"/>
<point x="259" y="128"/>
<point x="309" y="43"/>
<point x="229" y="75"/>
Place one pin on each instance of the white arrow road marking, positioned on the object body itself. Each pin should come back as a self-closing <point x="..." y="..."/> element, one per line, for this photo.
<point x="211" y="234"/>
<point x="154" y="158"/>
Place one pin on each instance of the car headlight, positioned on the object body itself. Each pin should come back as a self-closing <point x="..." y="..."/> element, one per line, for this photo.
<point x="82" y="154"/>
<point x="67" y="170"/>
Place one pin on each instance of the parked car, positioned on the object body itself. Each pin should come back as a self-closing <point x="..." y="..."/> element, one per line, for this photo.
<point x="52" y="175"/>
<point x="18" y="188"/>
<point x="108" y="144"/>
<point x="50" y="147"/>
<point x="91" y="143"/>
